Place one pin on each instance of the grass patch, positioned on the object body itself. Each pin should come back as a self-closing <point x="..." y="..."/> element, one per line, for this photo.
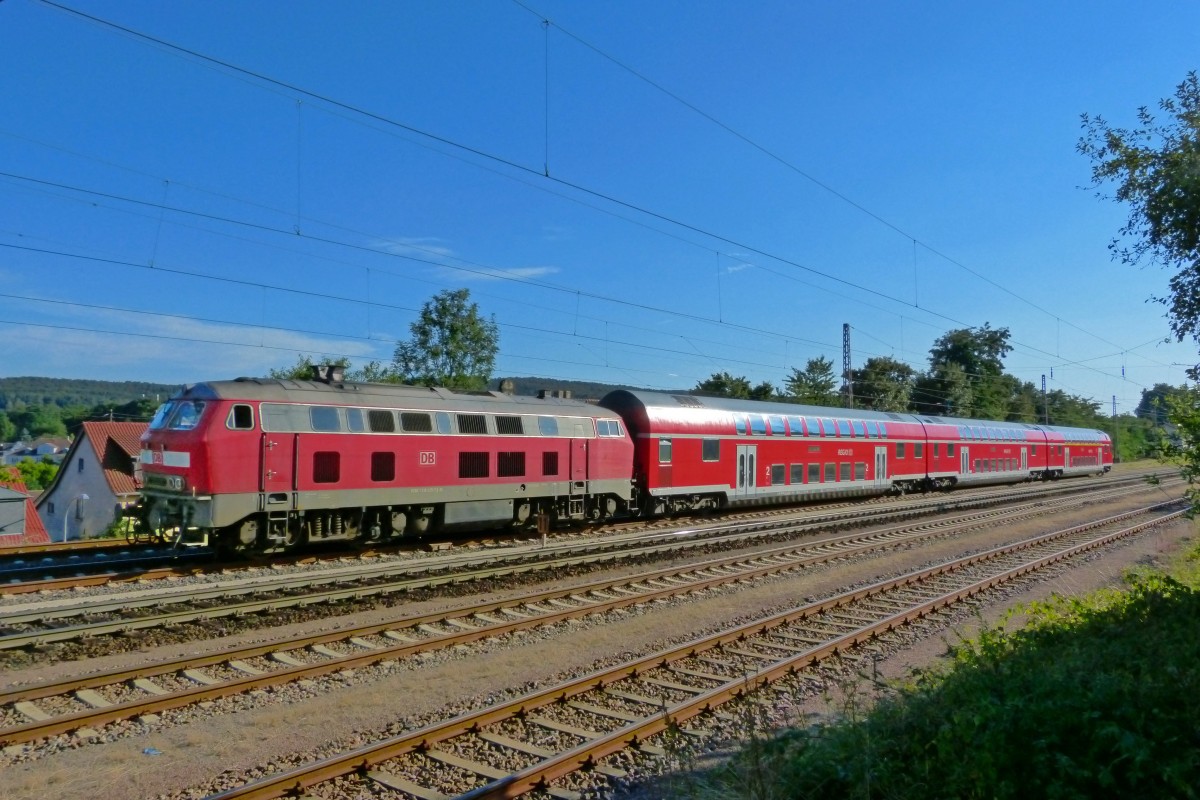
<point x="1096" y="696"/>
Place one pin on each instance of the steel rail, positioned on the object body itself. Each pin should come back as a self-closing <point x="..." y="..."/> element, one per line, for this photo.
<point x="570" y="602"/>
<point x="511" y="564"/>
<point x="364" y="760"/>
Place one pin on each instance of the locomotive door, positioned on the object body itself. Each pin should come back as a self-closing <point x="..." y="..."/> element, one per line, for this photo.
<point x="747" y="458"/>
<point x="881" y="475"/>
<point x="278" y="468"/>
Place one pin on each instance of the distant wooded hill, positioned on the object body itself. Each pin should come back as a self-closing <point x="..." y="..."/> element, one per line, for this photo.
<point x="64" y="392"/>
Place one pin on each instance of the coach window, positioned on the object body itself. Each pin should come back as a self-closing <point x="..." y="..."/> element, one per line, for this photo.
<point x="883" y="430"/>
<point x="795" y="426"/>
<point x="937" y="449"/>
<point x="777" y="426"/>
<point x="830" y="427"/>
<point x="814" y="473"/>
<point x="859" y="430"/>
<point x="950" y="449"/>
<point x="758" y="425"/>
<point x="797" y="474"/>
<point x="860" y="471"/>
<point x="327" y="467"/>
<point x="919" y="450"/>
<point x="415" y="422"/>
<point x="354" y="420"/>
<point x="383" y="467"/>
<point x="830" y="473"/>
<point x="442" y="419"/>
<point x="814" y="426"/>
<point x="548" y="426"/>
<point x="843" y="427"/>
<point x="900" y="449"/>
<point x="664" y="451"/>
<point x="710" y="450"/>
<point x="324" y="418"/>
<point x="241" y="418"/>
<point x="778" y="473"/>
<point x="872" y="430"/>
<point x="844" y="470"/>
<point x="739" y="423"/>
<point x="381" y="420"/>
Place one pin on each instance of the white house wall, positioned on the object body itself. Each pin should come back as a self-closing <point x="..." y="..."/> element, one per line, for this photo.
<point x="99" y="510"/>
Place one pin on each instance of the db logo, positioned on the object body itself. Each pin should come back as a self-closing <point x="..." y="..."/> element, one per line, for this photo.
<point x="156" y="457"/>
<point x="428" y="459"/>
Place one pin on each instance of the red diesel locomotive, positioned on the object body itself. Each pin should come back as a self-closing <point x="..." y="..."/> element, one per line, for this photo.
<point x="271" y="464"/>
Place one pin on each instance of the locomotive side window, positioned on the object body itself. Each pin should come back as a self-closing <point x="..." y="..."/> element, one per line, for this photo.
<point x="324" y="418"/>
<point x="415" y="422"/>
<point x="381" y="420"/>
<point x="711" y="450"/>
<point x="472" y="465"/>
<point x="548" y="426"/>
<point x="383" y="467"/>
<point x="510" y="465"/>
<point x="354" y="420"/>
<point x="327" y="467"/>
<point x="443" y="422"/>
<point x="472" y="423"/>
<point x="814" y="473"/>
<point x="241" y="418"/>
<point x="664" y="451"/>
<point x="509" y="426"/>
<point x="549" y="463"/>
<point x="284" y="418"/>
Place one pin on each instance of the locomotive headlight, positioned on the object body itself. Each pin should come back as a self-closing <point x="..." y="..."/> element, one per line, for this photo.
<point x="175" y="483"/>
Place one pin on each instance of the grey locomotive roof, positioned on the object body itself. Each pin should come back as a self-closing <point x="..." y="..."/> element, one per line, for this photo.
<point x="666" y="400"/>
<point x="386" y="395"/>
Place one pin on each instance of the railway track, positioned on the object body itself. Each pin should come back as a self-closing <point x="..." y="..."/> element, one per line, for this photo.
<point x="562" y="740"/>
<point x="42" y="623"/>
<point x="36" y="712"/>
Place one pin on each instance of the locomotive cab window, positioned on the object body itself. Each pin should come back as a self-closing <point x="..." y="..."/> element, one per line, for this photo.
<point x="186" y="415"/>
<point x="241" y="418"/>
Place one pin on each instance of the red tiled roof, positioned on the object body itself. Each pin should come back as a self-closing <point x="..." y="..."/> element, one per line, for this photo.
<point x="35" y="531"/>
<point x="117" y="446"/>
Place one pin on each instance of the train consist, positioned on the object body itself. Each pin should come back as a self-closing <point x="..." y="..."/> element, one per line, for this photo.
<point x="263" y="464"/>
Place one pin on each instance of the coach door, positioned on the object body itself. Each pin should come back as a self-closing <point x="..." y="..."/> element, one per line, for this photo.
<point x="964" y="467"/>
<point x="747" y="457"/>
<point x="881" y="475"/>
<point x="278" y="469"/>
<point x="1024" y="459"/>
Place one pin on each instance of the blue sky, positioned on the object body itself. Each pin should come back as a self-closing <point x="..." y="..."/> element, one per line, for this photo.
<point x="640" y="193"/>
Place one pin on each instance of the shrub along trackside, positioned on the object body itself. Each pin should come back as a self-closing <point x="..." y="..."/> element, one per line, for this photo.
<point x="1094" y="697"/>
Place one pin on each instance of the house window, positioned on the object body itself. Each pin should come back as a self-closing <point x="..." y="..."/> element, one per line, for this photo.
<point x="79" y="462"/>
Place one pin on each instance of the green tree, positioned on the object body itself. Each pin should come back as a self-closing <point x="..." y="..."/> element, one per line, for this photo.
<point x="814" y="385"/>
<point x="884" y="384"/>
<point x="8" y="431"/>
<point x="451" y="344"/>
<point x="1156" y="170"/>
<point x="34" y="474"/>
<point x="1153" y="405"/>
<point x="764" y="391"/>
<point x="722" y="384"/>
<point x="946" y="390"/>
<point x="34" y="421"/>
